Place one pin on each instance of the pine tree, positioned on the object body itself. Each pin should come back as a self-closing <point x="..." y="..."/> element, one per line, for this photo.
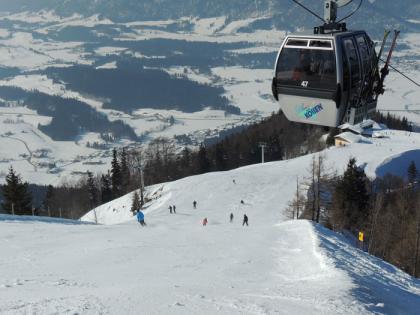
<point x="412" y="173"/>
<point x="125" y="172"/>
<point x="351" y="198"/>
<point x="17" y="198"/>
<point x="186" y="160"/>
<point x="116" y="176"/>
<point x="135" y="204"/>
<point x="48" y="200"/>
<point x="92" y="191"/>
<point x="203" y="161"/>
<point x="220" y="157"/>
<point x="106" y="190"/>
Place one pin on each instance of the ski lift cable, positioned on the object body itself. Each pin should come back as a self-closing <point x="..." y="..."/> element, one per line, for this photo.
<point x="347" y="4"/>
<point x="309" y="10"/>
<point x="403" y="74"/>
<point x="357" y="9"/>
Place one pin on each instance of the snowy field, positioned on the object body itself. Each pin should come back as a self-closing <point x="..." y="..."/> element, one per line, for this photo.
<point x="177" y="266"/>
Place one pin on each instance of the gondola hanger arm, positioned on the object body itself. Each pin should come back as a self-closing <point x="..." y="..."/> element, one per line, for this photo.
<point x="331" y="9"/>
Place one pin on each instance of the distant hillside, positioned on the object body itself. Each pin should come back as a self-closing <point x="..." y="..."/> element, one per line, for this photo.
<point x="373" y="14"/>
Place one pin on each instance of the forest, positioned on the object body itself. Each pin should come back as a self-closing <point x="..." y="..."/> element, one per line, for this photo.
<point x="131" y="86"/>
<point x="385" y="211"/>
<point x="70" y="117"/>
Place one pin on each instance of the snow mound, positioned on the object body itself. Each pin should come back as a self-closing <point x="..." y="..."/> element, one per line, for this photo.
<point x="395" y="165"/>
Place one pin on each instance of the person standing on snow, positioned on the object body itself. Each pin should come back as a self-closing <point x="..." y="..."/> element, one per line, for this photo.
<point x="140" y="218"/>
<point x="195" y="204"/>
<point x="231" y="217"/>
<point x="245" y="220"/>
<point x="205" y="221"/>
<point x="174" y="209"/>
<point x="170" y="209"/>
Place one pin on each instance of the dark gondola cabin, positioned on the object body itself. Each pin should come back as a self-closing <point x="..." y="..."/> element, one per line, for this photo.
<point x="327" y="79"/>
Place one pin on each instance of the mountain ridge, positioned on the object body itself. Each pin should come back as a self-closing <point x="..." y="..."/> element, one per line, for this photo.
<point x="284" y="13"/>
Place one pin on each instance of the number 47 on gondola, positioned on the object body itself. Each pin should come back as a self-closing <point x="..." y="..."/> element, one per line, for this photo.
<point x="331" y="76"/>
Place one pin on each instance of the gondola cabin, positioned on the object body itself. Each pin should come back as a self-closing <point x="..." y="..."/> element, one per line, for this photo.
<point x="326" y="79"/>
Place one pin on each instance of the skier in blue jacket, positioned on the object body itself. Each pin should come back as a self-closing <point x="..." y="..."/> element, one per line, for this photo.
<point x="140" y="218"/>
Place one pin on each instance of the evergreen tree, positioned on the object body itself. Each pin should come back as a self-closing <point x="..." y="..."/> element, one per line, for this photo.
<point x="203" y="161"/>
<point x="106" y="190"/>
<point x="186" y="159"/>
<point x="92" y="191"/>
<point x="220" y="157"/>
<point x="17" y="198"/>
<point x="351" y="198"/>
<point x="135" y="204"/>
<point x="331" y="136"/>
<point x="125" y="172"/>
<point x="48" y="200"/>
<point x="116" y="176"/>
<point x="412" y="173"/>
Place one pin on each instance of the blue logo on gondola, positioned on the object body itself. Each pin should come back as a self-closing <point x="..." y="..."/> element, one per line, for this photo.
<point x="309" y="112"/>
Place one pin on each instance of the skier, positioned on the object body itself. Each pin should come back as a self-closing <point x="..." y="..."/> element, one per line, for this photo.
<point x="242" y="202"/>
<point x="231" y="217"/>
<point x="170" y="209"/>
<point x="173" y="208"/>
<point x="205" y="221"/>
<point x="140" y="218"/>
<point x="195" y="204"/>
<point x="245" y="220"/>
<point x="234" y="181"/>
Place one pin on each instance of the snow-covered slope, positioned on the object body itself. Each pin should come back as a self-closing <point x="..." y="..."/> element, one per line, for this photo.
<point x="177" y="266"/>
<point x="266" y="188"/>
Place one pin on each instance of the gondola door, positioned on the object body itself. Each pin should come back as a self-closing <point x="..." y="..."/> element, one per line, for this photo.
<point x="352" y="76"/>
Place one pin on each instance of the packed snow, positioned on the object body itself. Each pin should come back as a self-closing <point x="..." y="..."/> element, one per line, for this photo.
<point x="175" y="265"/>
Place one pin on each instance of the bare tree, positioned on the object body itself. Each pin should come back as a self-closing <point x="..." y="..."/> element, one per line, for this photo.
<point x="318" y="187"/>
<point x="295" y="207"/>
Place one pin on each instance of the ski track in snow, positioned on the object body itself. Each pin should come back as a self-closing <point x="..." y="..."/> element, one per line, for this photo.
<point x="382" y="287"/>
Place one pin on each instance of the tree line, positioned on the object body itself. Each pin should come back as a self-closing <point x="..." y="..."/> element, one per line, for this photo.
<point x="386" y="210"/>
<point x="162" y="161"/>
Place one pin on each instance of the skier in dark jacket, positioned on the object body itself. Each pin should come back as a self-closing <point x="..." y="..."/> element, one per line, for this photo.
<point x="170" y="209"/>
<point x="195" y="204"/>
<point x="231" y="217"/>
<point x="245" y="220"/>
<point x="140" y="218"/>
<point x="174" y="209"/>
